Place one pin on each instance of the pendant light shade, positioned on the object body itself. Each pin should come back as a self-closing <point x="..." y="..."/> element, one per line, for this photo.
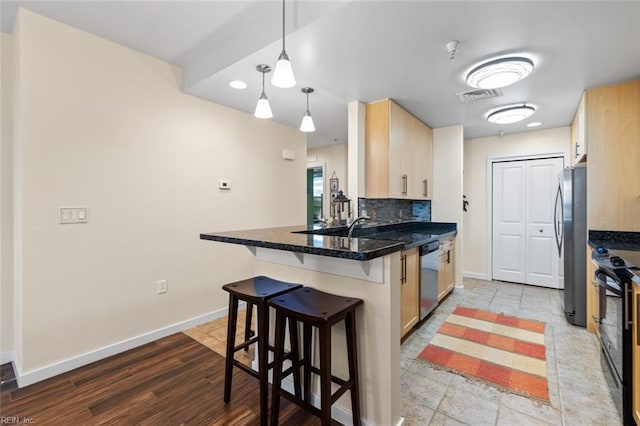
<point x="499" y="72"/>
<point x="307" y="121"/>
<point x="283" y="75"/>
<point x="263" y="109"/>
<point x="511" y="114"/>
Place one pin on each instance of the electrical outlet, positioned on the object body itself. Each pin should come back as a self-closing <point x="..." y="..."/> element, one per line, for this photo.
<point x="163" y="286"/>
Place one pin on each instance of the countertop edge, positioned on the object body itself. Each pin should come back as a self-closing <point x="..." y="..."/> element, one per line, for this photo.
<point x="321" y="251"/>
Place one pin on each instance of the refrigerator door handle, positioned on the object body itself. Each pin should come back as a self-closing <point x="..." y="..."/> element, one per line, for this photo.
<point x="557" y="224"/>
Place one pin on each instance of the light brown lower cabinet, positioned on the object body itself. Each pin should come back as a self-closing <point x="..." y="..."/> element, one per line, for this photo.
<point x="409" y="290"/>
<point x="635" y="382"/>
<point x="446" y="272"/>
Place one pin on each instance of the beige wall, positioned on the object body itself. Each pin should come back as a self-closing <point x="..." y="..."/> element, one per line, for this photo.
<point x="103" y="126"/>
<point x="334" y="159"/>
<point x="476" y="154"/>
<point x="446" y="205"/>
<point x="6" y="215"/>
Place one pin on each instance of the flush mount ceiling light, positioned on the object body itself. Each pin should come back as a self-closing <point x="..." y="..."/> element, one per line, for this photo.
<point x="263" y="109"/>
<point x="512" y="114"/>
<point x="499" y="72"/>
<point x="283" y="75"/>
<point x="238" y="84"/>
<point x="307" y="120"/>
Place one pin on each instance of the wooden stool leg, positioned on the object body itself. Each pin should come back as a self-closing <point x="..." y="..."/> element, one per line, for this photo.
<point x="306" y="347"/>
<point x="324" y="333"/>
<point x="350" y="328"/>
<point x="231" y="342"/>
<point x="247" y="324"/>
<point x="295" y="355"/>
<point x="277" y="367"/>
<point x="263" y="370"/>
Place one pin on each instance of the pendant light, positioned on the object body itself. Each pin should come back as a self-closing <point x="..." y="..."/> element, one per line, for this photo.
<point x="307" y="120"/>
<point x="283" y="75"/>
<point x="263" y="109"/>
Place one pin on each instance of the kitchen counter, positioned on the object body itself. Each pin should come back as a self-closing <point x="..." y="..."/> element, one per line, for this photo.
<point x="369" y="241"/>
<point x="623" y="244"/>
<point x="368" y="267"/>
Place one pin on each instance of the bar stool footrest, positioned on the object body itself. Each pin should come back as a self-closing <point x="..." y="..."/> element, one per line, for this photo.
<point x="245" y="344"/>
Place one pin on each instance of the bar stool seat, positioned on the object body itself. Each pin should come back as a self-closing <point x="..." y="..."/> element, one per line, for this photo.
<point x="256" y="292"/>
<point x="314" y="308"/>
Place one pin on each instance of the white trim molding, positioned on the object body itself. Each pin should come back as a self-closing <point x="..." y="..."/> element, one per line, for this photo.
<point x="475" y="275"/>
<point x="33" y="376"/>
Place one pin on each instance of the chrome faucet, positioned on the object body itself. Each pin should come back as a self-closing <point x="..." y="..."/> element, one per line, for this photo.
<point x="354" y="223"/>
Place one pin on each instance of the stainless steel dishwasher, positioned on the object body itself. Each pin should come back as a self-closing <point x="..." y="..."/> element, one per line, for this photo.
<point x="429" y="264"/>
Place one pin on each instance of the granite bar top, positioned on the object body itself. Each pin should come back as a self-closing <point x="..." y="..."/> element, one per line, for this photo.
<point x="368" y="241"/>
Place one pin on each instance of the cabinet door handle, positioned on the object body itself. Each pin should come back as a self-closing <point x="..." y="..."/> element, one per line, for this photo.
<point x="426" y="188"/>
<point x="626" y="300"/>
<point x="404" y="184"/>
<point x="448" y="256"/>
<point x="638" y="319"/>
<point x="403" y="269"/>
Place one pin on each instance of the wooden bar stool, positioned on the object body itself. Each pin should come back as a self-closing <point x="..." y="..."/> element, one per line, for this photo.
<point x="314" y="308"/>
<point x="256" y="292"/>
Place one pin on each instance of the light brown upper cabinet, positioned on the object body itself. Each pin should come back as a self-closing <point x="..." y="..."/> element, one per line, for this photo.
<point x="579" y="132"/>
<point x="399" y="153"/>
<point x="613" y="174"/>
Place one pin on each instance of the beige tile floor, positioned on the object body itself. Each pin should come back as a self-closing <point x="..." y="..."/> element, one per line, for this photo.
<point x="577" y="388"/>
<point x="214" y="336"/>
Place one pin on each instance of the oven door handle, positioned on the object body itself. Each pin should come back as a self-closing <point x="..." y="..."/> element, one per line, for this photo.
<point x="602" y="282"/>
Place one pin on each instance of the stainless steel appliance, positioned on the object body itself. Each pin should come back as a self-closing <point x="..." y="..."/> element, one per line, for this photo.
<point x="429" y="264"/>
<point x="571" y="238"/>
<point x="615" y="281"/>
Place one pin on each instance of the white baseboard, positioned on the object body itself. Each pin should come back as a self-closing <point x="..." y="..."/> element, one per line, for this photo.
<point x="26" y="378"/>
<point x="6" y="357"/>
<point x="475" y="275"/>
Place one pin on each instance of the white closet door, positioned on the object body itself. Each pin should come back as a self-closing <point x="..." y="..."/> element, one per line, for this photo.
<point x="542" y="253"/>
<point x="509" y="224"/>
<point x="523" y="242"/>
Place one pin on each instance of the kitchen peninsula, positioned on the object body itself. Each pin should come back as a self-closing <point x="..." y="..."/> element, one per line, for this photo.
<point x="367" y="266"/>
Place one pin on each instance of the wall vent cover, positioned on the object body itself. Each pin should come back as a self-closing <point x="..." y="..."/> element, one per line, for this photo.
<point x="478" y="94"/>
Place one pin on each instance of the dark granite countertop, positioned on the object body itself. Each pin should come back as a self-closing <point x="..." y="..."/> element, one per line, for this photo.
<point x="369" y="242"/>
<point x="623" y="244"/>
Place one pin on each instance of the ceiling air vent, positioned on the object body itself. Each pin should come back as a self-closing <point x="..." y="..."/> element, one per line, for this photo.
<point x="478" y="94"/>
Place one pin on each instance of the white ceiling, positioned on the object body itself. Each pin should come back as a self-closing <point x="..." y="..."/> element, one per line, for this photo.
<point x="370" y="50"/>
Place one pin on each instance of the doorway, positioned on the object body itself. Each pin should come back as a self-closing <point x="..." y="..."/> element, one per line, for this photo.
<point x="315" y="191"/>
<point x="523" y="239"/>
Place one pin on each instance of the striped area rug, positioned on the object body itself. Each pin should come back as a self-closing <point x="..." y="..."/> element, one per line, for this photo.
<point x="506" y="352"/>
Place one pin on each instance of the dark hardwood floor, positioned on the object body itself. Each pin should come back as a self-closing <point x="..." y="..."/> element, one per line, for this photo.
<point x="171" y="381"/>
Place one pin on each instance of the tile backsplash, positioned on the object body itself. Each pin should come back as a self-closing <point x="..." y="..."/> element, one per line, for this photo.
<point x="391" y="209"/>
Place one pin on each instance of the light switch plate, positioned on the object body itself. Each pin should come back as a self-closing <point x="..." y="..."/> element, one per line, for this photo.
<point x="71" y="215"/>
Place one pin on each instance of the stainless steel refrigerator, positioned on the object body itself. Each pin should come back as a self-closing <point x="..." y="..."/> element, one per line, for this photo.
<point x="571" y="237"/>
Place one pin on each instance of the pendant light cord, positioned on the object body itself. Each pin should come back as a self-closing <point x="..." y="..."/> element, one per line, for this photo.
<point x="283" y="26"/>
